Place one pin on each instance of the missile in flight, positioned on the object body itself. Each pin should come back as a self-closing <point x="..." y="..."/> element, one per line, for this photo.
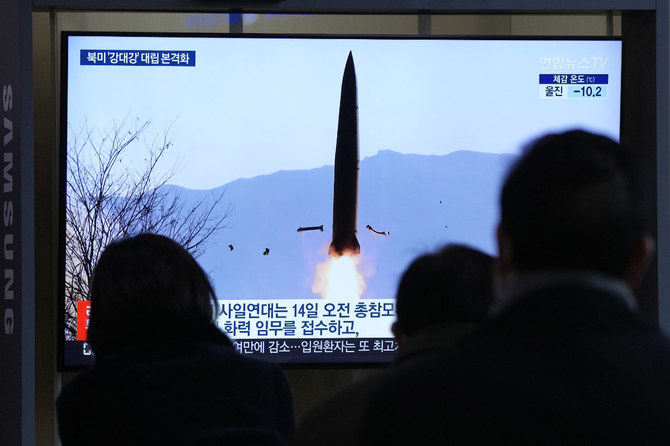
<point x="345" y="184"/>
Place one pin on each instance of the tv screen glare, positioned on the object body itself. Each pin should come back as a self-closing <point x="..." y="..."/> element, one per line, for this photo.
<point x="228" y="144"/>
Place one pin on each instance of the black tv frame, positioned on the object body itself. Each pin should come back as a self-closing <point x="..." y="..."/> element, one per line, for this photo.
<point x="373" y="363"/>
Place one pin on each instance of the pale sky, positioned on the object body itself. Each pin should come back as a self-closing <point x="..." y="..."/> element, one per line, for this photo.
<point x="254" y="106"/>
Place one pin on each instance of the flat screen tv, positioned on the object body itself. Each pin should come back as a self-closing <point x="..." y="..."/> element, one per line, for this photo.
<point x="305" y="173"/>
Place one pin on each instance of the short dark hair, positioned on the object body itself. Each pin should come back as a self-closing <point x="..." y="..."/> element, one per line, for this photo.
<point x="451" y="285"/>
<point x="148" y="289"/>
<point x="574" y="200"/>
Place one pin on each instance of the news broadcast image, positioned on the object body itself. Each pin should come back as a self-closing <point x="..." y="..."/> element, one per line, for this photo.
<point x="242" y="133"/>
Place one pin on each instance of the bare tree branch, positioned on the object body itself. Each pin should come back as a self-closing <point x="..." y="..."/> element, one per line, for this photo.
<point x="109" y="197"/>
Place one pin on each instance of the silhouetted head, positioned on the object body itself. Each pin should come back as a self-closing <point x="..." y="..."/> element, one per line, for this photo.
<point x="148" y="289"/>
<point x="573" y="201"/>
<point x="451" y="285"/>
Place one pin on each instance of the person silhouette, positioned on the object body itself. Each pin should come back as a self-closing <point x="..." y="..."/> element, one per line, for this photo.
<point x="566" y="357"/>
<point x="163" y="372"/>
<point x="441" y="297"/>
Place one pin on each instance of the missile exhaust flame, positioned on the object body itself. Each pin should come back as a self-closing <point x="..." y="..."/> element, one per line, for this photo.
<point x="339" y="278"/>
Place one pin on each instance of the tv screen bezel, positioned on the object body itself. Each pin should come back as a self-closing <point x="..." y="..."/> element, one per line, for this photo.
<point x="62" y="142"/>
